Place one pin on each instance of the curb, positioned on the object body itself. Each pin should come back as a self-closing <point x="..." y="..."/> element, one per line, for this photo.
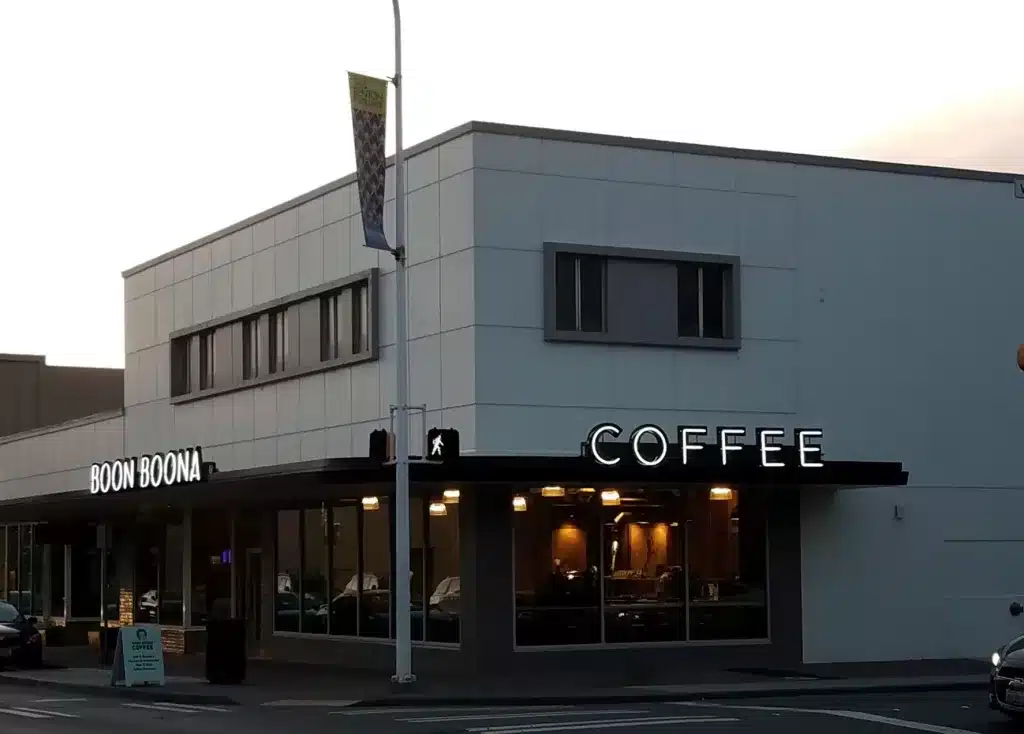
<point x="606" y="697"/>
<point x="152" y="693"/>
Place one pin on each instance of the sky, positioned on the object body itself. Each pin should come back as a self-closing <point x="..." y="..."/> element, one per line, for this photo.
<point x="128" y="129"/>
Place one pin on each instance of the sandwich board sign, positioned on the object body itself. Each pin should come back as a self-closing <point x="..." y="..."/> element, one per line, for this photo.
<point x="139" y="657"/>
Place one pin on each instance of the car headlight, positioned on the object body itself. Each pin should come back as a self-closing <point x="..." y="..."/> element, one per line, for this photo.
<point x="996" y="659"/>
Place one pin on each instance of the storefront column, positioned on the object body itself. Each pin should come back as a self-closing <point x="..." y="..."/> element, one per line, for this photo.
<point x="485" y="550"/>
<point x="186" y="569"/>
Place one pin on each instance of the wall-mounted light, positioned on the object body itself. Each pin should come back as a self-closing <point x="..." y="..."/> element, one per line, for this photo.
<point x="370" y="504"/>
<point x="587" y="490"/>
<point x="674" y="524"/>
<point x="437" y="509"/>
<point x="720" y="493"/>
<point x="451" y="496"/>
<point x="619" y="517"/>
<point x="552" y="492"/>
<point x="519" y="503"/>
<point x="610" y="497"/>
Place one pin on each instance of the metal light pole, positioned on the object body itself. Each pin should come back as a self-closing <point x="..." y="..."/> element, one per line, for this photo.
<point x="403" y="622"/>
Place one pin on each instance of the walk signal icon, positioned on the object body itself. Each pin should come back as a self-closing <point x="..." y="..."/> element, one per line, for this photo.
<point x="442" y="444"/>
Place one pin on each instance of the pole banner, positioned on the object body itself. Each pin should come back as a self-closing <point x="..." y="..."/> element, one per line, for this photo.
<point x="369" y="98"/>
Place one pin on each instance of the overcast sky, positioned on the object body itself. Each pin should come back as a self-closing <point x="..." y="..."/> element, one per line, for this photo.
<point x="128" y="129"/>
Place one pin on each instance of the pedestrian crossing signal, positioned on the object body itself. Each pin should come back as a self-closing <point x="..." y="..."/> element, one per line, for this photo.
<point x="442" y="444"/>
<point x="379" y="449"/>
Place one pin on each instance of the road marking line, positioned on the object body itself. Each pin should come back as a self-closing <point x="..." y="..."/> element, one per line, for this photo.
<point x="25" y="714"/>
<point x="194" y="708"/>
<point x="176" y="708"/>
<point x="531" y="715"/>
<point x="62" y="714"/>
<point x="441" y="709"/>
<point x="59" y="700"/>
<point x="856" y="715"/>
<point x="603" y="724"/>
<point x="300" y="703"/>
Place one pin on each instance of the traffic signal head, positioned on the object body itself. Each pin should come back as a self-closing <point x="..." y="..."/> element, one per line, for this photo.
<point x="379" y="445"/>
<point x="442" y="444"/>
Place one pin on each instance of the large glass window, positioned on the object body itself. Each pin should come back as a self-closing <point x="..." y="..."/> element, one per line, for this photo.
<point x="315" y="548"/>
<point x="345" y="569"/>
<point x="13" y="565"/>
<point x="171" y="594"/>
<point x="289" y="571"/>
<point x="85" y="579"/>
<point x="57" y="571"/>
<point x="211" y="566"/>
<point x="375" y="603"/>
<point x="442" y="562"/>
<point x="639" y="566"/>
<point x="147" y="573"/>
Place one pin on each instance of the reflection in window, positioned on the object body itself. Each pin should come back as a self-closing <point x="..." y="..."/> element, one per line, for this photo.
<point x="558" y="555"/>
<point x="57" y="572"/>
<point x="417" y="567"/>
<point x="375" y="602"/>
<point x="171" y="596"/>
<point x="13" y="556"/>
<point x="443" y="581"/>
<point x="289" y="559"/>
<point x="659" y="566"/>
<point x="211" y="566"/>
<point x="147" y="573"/>
<point x="345" y="570"/>
<point x="314" y="571"/>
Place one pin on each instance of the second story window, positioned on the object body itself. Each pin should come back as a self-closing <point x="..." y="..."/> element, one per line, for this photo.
<point x="705" y="300"/>
<point x="579" y="292"/>
<point x="250" y="348"/>
<point x="345" y="323"/>
<point x="181" y="370"/>
<point x="278" y="341"/>
<point x="207" y="360"/>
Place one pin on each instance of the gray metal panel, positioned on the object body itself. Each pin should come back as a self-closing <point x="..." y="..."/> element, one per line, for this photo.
<point x="237" y="354"/>
<point x="639" y="337"/>
<point x="223" y="360"/>
<point x="641" y="300"/>
<point x="307" y="335"/>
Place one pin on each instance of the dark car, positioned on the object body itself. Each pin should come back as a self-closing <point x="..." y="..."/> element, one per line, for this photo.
<point x="20" y="641"/>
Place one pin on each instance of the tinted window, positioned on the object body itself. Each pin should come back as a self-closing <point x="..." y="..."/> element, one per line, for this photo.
<point x="565" y="292"/>
<point x="689" y="300"/>
<point x="715" y="291"/>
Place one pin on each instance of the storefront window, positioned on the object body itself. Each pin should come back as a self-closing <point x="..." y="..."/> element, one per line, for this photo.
<point x="57" y="572"/>
<point x="289" y="572"/>
<point x="3" y="562"/>
<point x="85" y="580"/>
<point x="639" y="566"/>
<point x="557" y="565"/>
<point x="417" y="568"/>
<point x="375" y="601"/>
<point x="147" y="573"/>
<point x="13" y="565"/>
<point x="345" y="570"/>
<point x="442" y="560"/>
<point x="211" y="566"/>
<point x="171" y="593"/>
<point x="111" y="588"/>
<point x="314" y="570"/>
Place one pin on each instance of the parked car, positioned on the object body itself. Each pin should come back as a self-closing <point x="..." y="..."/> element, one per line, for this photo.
<point x="20" y="641"/>
<point x="1006" y="678"/>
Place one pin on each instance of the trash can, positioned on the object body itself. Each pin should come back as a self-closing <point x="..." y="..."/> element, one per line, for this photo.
<point x="225" y="651"/>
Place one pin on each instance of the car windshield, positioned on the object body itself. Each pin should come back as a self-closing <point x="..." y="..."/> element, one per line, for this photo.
<point x="8" y="613"/>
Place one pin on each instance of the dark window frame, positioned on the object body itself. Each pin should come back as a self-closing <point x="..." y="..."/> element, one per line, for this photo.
<point x="732" y="309"/>
<point x="190" y="338"/>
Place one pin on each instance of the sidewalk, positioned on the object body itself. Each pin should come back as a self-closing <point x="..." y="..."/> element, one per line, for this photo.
<point x="285" y="685"/>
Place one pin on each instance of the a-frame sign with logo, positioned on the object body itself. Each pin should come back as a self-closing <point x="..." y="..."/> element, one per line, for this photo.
<point x="139" y="657"/>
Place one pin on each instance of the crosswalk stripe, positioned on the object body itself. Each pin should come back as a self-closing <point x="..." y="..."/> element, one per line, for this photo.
<point x="530" y="715"/>
<point x="24" y="714"/>
<point x="439" y="710"/>
<point x="61" y="714"/>
<point x="606" y="724"/>
<point x="178" y="708"/>
<point x="59" y="700"/>
<point x="193" y="707"/>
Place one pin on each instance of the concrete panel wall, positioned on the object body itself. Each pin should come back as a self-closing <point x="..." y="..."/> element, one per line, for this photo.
<point x="320" y="239"/>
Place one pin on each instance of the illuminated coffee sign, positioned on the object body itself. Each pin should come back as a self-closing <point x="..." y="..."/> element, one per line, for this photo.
<point x="649" y="445"/>
<point x="183" y="466"/>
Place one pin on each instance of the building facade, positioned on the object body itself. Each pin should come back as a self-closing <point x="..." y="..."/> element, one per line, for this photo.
<point x="561" y="282"/>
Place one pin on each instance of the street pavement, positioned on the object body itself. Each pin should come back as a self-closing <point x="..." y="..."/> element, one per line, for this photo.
<point x="34" y="712"/>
